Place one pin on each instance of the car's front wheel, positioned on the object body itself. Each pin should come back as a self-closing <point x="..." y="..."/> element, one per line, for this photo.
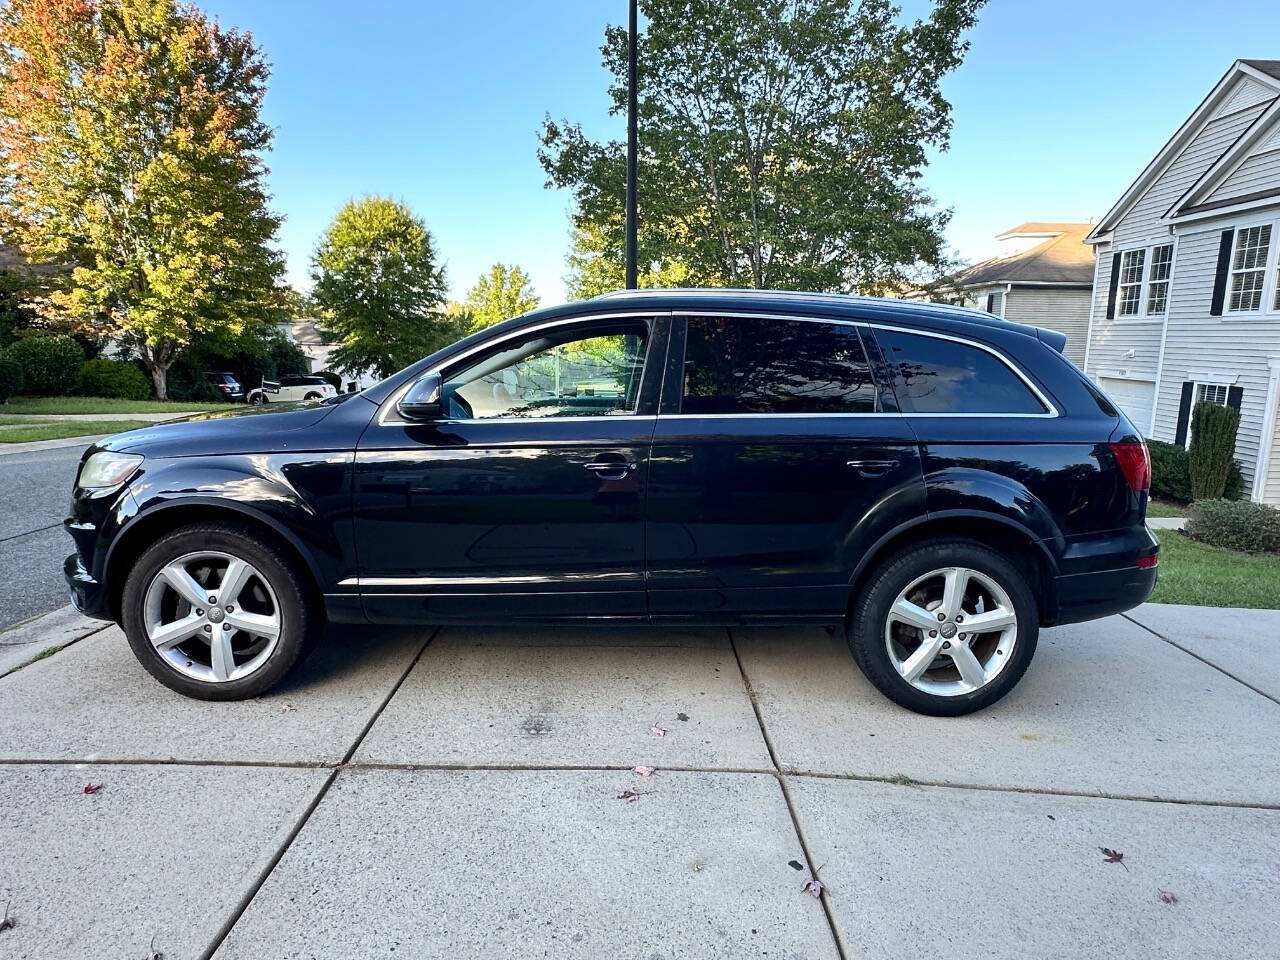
<point x="945" y="627"/>
<point x="213" y="612"/>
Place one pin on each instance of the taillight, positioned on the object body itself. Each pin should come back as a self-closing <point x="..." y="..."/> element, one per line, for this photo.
<point x="1147" y="562"/>
<point x="1135" y="461"/>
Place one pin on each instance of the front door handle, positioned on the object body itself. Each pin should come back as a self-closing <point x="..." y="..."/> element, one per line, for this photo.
<point x="872" y="468"/>
<point x="610" y="469"/>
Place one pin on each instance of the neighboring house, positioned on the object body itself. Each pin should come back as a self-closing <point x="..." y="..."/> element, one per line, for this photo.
<point x="1042" y="274"/>
<point x="1186" y="295"/>
<point x="306" y="333"/>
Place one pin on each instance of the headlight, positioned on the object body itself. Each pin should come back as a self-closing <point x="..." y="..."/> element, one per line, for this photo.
<point x="107" y="469"/>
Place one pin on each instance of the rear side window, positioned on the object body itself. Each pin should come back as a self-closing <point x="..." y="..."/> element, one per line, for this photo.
<point x="932" y="375"/>
<point x="766" y="365"/>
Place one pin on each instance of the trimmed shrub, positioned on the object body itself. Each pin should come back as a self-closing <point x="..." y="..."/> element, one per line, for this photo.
<point x="114" y="378"/>
<point x="1235" y="482"/>
<point x="10" y="376"/>
<point x="1235" y="524"/>
<point x="1213" y="446"/>
<point x="1170" y="471"/>
<point x="50" y="365"/>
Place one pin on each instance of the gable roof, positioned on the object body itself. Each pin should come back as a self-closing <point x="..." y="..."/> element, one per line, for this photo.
<point x="1198" y="197"/>
<point x="1063" y="258"/>
<point x="1266" y="72"/>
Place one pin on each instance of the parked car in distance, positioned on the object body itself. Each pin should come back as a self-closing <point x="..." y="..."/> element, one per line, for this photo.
<point x="226" y="384"/>
<point x="934" y="482"/>
<point x="290" y="388"/>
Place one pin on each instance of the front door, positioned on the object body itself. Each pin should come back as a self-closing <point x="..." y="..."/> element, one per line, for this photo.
<point x="525" y="501"/>
<point x="777" y="462"/>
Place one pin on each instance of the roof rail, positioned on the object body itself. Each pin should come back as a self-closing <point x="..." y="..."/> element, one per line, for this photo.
<point x="748" y="293"/>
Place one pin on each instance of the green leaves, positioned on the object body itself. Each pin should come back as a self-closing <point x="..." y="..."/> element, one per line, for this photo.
<point x="780" y="144"/>
<point x="502" y="293"/>
<point x="377" y="279"/>
<point x="130" y="138"/>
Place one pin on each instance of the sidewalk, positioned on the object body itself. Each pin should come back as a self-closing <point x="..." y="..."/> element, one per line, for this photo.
<point x="470" y="793"/>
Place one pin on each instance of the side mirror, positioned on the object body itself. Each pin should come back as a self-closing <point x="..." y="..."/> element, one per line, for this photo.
<point x="424" y="400"/>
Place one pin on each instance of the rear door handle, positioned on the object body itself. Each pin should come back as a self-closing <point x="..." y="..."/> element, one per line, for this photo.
<point x="610" y="469"/>
<point x="872" y="468"/>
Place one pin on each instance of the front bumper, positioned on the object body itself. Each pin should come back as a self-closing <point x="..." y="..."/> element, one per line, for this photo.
<point x="87" y="594"/>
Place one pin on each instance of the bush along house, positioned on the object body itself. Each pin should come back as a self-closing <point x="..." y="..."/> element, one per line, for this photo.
<point x="1186" y="292"/>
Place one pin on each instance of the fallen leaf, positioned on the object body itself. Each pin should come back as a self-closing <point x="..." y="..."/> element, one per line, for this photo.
<point x="795" y="865"/>
<point x="629" y="795"/>
<point x="154" y="954"/>
<point x="1166" y="896"/>
<point x="1113" y="856"/>
<point x="658" y="731"/>
<point x="699" y="866"/>
<point x="287" y="708"/>
<point x="683" y="717"/>
<point x="1051" y="816"/>
<point x="6" y="922"/>
<point x="813" y="886"/>
<point x="643" y="771"/>
<point x="91" y="788"/>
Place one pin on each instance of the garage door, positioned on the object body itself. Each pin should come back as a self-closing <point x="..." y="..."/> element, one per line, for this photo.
<point x="1134" y="397"/>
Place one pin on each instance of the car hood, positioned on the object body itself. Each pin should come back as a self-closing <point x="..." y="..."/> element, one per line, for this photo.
<point x="276" y="428"/>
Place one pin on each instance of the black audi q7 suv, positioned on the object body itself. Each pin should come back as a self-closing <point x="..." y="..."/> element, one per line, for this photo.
<point x="936" y="482"/>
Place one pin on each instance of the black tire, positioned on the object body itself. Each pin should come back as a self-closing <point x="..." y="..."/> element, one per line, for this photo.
<point x="312" y="396"/>
<point x="870" y="610"/>
<point x="300" y="621"/>
<point x="257" y="400"/>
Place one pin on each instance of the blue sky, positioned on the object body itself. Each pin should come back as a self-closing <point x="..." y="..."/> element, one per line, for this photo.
<point x="1057" y="108"/>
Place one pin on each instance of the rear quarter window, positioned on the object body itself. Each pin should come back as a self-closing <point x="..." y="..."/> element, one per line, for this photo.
<point x="933" y="375"/>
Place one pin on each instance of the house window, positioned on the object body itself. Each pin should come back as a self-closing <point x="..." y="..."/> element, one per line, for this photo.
<point x="995" y="303"/>
<point x="1249" y="268"/>
<point x="1130" y="298"/>
<point x="1158" y="279"/>
<point x="1212" y="393"/>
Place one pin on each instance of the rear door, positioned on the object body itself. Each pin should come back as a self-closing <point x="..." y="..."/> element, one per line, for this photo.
<point x="777" y="460"/>
<point x="525" y="500"/>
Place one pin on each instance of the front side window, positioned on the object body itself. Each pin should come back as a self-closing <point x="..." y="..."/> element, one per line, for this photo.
<point x="770" y="365"/>
<point x="932" y="375"/>
<point x="1158" y="279"/>
<point x="555" y="374"/>
<point x="1130" y="293"/>
<point x="1249" y="268"/>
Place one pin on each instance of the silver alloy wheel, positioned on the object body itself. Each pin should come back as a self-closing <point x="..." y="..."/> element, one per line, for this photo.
<point x="212" y="616"/>
<point x="951" y="631"/>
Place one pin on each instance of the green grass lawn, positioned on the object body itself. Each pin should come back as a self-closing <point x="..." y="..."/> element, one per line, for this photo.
<point x="55" y="405"/>
<point x="68" y="428"/>
<point x="1163" y="508"/>
<point x="1196" y="573"/>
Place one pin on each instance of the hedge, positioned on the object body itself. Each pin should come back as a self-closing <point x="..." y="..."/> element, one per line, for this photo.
<point x="50" y="365"/>
<point x="1213" y="445"/>
<point x="1171" y="474"/>
<point x="1235" y="524"/>
<point x="114" y="378"/>
<point x="10" y="376"/>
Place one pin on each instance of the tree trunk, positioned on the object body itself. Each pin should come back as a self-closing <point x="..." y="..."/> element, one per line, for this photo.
<point x="160" y="378"/>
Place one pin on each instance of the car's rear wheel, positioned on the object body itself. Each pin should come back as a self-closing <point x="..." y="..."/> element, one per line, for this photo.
<point x="945" y="627"/>
<point x="258" y="399"/>
<point x="312" y="396"/>
<point x="213" y="612"/>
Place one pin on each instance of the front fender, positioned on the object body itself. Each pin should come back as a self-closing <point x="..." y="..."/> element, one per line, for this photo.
<point x="304" y="498"/>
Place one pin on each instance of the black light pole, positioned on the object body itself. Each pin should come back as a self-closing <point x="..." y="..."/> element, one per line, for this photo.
<point x="631" y="146"/>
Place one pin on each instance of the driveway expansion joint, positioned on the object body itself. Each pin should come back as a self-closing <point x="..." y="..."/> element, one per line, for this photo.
<point x="1208" y="663"/>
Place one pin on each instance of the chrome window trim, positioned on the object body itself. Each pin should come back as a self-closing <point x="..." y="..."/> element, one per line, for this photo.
<point x="389" y="405"/>
<point x="1051" y="411"/>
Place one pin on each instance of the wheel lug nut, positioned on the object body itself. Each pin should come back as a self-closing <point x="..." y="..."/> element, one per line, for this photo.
<point x="941" y="617"/>
<point x="207" y="628"/>
<point x="213" y="599"/>
<point x="226" y="626"/>
<point x="946" y="645"/>
<point x="933" y="633"/>
<point x="230" y="608"/>
<point x="199" y="613"/>
<point x="959" y="619"/>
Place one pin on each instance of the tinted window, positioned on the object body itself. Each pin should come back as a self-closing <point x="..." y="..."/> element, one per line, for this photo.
<point x="750" y="365"/>
<point x="564" y="374"/>
<point x="942" y="376"/>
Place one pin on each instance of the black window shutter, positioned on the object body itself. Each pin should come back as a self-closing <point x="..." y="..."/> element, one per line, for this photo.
<point x="1220" y="277"/>
<point x="1115" y="285"/>
<point x="1234" y="396"/>
<point x="1184" y="413"/>
<point x="991" y="303"/>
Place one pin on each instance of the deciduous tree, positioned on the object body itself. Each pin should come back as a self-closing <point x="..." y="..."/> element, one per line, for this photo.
<point x="502" y="293"/>
<point x="382" y="291"/>
<point x="781" y="141"/>
<point x="131" y="149"/>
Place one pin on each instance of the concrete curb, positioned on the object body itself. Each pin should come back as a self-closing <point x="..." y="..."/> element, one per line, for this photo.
<point x="21" y="644"/>
<point x="1166" y="523"/>
<point x="37" y="445"/>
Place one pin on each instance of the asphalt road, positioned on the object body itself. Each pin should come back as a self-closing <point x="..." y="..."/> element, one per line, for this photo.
<point x="35" y="491"/>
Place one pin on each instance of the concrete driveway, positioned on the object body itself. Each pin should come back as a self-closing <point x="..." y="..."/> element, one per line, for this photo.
<point x="469" y="793"/>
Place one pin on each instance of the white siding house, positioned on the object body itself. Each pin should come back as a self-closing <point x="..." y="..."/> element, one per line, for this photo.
<point x="1186" y="292"/>
<point x="1042" y="275"/>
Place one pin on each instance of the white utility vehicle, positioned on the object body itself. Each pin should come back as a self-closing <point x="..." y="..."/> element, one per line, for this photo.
<point x="292" y="387"/>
